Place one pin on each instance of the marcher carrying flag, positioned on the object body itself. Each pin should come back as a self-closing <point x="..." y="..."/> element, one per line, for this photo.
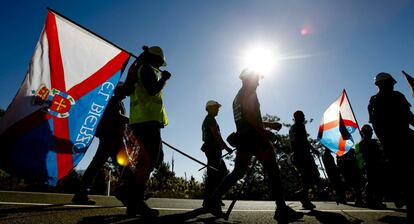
<point x="337" y="125"/>
<point x="410" y="81"/>
<point x="51" y="122"/>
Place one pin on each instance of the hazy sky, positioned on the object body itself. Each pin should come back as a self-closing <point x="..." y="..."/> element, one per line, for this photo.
<point x="322" y="47"/>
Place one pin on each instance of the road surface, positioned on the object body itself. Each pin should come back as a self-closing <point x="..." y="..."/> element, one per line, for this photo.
<point x="34" y="207"/>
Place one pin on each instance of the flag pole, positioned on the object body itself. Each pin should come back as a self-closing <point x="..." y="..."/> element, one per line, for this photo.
<point x="104" y="39"/>
<point x="350" y="105"/>
<point x="188" y="156"/>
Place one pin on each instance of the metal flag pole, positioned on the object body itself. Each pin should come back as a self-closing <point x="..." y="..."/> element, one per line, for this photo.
<point x="352" y="110"/>
<point x="246" y="185"/>
<point x="228" y="153"/>
<point x="188" y="156"/>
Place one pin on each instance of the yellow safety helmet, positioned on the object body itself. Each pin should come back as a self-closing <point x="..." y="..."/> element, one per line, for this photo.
<point x="157" y="51"/>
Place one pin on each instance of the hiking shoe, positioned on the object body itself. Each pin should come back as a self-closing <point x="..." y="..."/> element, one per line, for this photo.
<point x="82" y="200"/>
<point x="141" y="209"/>
<point x="213" y="207"/>
<point x="376" y="205"/>
<point x="145" y="211"/>
<point x="286" y="215"/>
<point x="308" y="205"/>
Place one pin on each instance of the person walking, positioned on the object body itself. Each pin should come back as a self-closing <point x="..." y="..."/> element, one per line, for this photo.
<point x="372" y="156"/>
<point x="302" y="157"/>
<point x="391" y="117"/>
<point x="348" y="167"/>
<point x="144" y="85"/>
<point x="212" y="147"/>
<point x="334" y="176"/>
<point x="110" y="131"/>
<point x="253" y="140"/>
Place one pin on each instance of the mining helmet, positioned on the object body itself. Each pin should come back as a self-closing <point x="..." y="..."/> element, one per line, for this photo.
<point x="157" y="51"/>
<point x="212" y="103"/>
<point x="366" y="127"/>
<point x="298" y="115"/>
<point x="248" y="73"/>
<point x="384" y="77"/>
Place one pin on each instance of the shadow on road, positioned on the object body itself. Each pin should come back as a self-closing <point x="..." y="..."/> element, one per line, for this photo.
<point x="332" y="217"/>
<point x="32" y="211"/>
<point x="393" y="219"/>
<point x="186" y="217"/>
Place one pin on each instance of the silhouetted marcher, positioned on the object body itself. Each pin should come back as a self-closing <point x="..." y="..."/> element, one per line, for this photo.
<point x="144" y="84"/>
<point x="348" y="167"/>
<point x="302" y="157"/>
<point x="253" y="140"/>
<point x="212" y="147"/>
<point x="334" y="176"/>
<point x="390" y="115"/>
<point x="374" y="167"/>
<point x="110" y="132"/>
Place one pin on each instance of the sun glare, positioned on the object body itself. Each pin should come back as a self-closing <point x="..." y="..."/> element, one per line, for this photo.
<point x="261" y="59"/>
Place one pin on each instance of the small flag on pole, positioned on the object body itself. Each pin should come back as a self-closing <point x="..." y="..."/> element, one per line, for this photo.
<point x="337" y="125"/>
<point x="410" y="81"/>
<point x="51" y="122"/>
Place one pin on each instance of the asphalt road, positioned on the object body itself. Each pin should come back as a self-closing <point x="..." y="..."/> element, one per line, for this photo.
<point x="28" y="207"/>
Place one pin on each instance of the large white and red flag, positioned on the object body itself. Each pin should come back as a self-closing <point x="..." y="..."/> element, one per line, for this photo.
<point x="51" y="122"/>
<point x="337" y="125"/>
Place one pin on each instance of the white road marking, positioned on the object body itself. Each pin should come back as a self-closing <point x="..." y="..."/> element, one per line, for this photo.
<point x="191" y="209"/>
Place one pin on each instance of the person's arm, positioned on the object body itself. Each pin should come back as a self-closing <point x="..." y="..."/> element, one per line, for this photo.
<point x="216" y="134"/>
<point x="273" y="125"/>
<point x="128" y="87"/>
<point x="150" y="81"/>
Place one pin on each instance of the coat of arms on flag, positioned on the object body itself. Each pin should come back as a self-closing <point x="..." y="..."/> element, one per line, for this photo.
<point x="52" y="119"/>
<point x="337" y="125"/>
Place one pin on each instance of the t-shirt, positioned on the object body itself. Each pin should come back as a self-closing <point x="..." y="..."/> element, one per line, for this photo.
<point x="208" y="138"/>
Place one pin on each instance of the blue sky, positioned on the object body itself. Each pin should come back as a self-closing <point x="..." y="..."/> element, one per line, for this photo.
<point x="348" y="43"/>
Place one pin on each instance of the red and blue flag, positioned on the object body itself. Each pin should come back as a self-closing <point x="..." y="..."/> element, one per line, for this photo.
<point x="337" y="125"/>
<point x="51" y="122"/>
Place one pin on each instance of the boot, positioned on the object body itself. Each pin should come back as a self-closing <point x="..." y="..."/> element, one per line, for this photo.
<point x="286" y="215"/>
<point x="213" y="206"/>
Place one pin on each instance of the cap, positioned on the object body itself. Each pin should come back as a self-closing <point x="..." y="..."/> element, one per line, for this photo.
<point x="384" y="77"/>
<point x="211" y="103"/>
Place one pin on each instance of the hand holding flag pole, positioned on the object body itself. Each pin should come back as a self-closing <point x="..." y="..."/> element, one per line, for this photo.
<point x="228" y="153"/>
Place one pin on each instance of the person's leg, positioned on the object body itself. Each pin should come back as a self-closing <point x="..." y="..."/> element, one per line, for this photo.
<point x="241" y="163"/>
<point x="213" y="176"/>
<point x="283" y="212"/>
<point x="149" y="137"/>
<point x="101" y="156"/>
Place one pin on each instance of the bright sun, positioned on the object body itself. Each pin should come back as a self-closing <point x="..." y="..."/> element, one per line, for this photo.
<point x="261" y="59"/>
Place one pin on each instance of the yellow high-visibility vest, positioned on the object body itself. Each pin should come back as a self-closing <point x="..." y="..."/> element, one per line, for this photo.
<point x="145" y="107"/>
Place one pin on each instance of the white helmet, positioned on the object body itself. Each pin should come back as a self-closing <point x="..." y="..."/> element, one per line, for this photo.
<point x="381" y="77"/>
<point x="247" y="73"/>
<point x="155" y="50"/>
<point x="211" y="103"/>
